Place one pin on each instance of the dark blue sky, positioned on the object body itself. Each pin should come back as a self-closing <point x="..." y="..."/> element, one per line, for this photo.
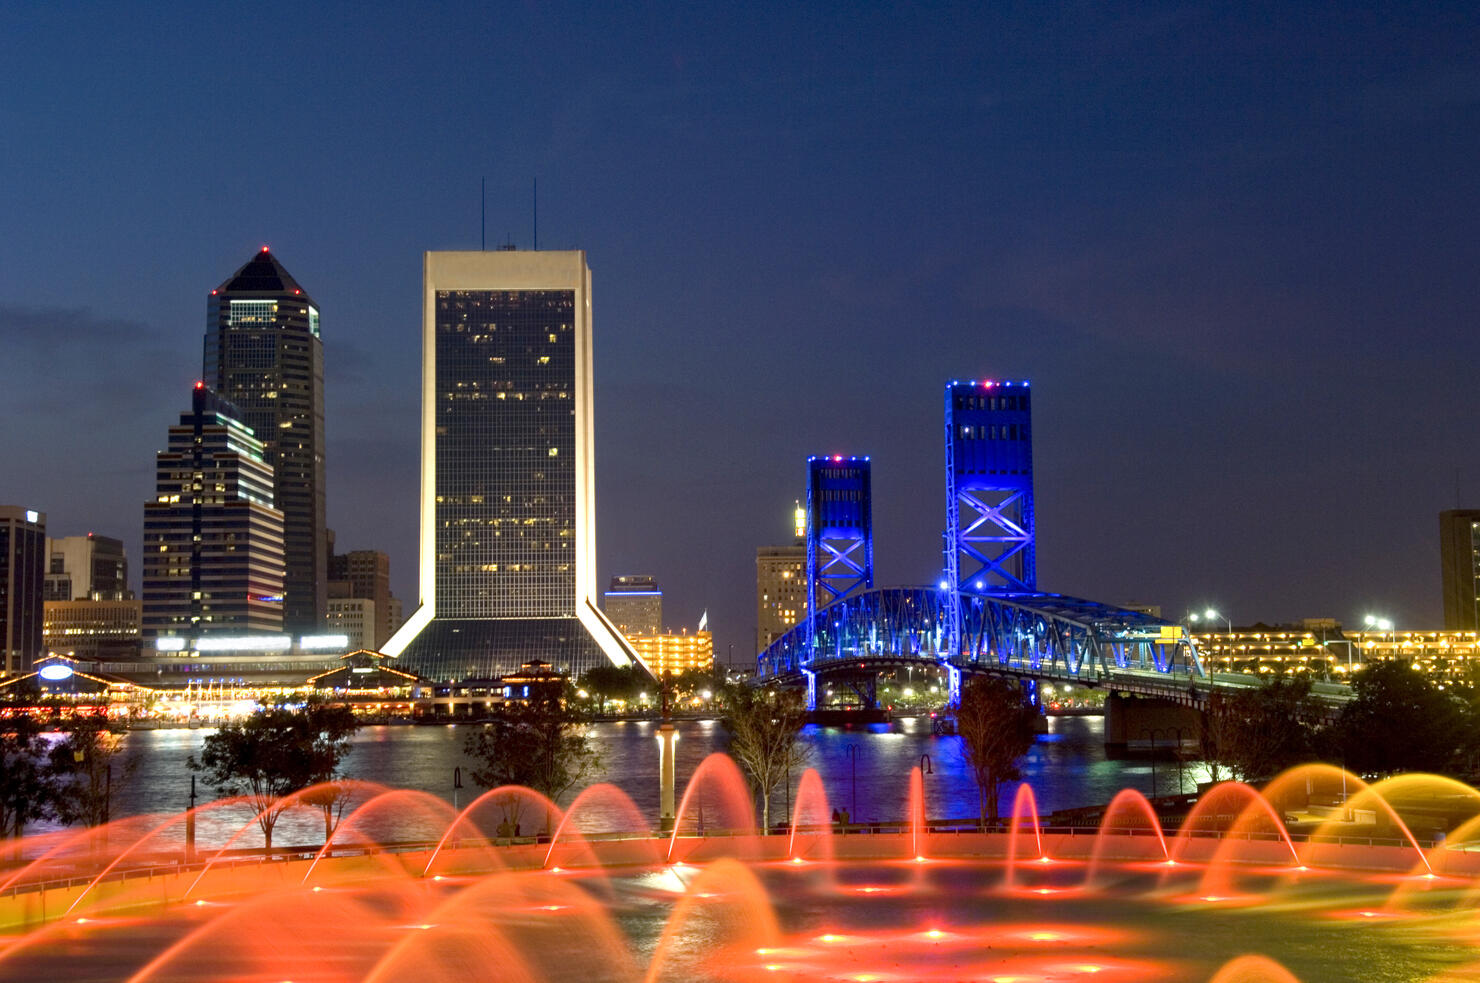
<point x="1233" y="246"/>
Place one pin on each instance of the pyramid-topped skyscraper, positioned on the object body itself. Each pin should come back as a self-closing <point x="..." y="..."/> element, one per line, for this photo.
<point x="264" y="355"/>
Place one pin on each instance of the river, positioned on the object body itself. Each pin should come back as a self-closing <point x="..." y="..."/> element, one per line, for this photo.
<point x="1067" y="767"/>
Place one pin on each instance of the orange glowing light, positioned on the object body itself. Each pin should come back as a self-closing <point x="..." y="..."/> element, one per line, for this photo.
<point x="935" y="933"/>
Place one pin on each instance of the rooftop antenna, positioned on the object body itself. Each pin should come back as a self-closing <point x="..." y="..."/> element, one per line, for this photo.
<point x="536" y="203"/>
<point x="483" y="214"/>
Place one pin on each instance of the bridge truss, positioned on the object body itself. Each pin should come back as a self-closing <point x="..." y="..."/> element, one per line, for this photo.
<point x="1028" y="633"/>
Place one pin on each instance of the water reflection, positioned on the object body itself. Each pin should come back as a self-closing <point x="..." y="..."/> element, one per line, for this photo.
<point x="1067" y="767"/>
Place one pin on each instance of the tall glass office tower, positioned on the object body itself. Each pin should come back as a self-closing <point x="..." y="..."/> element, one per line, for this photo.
<point x="263" y="354"/>
<point x="508" y="537"/>
<point x="213" y="543"/>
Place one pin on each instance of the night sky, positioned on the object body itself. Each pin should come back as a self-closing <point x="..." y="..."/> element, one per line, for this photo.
<point x="1233" y="246"/>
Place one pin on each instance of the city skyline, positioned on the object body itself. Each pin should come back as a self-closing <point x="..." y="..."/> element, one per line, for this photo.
<point x="1232" y="250"/>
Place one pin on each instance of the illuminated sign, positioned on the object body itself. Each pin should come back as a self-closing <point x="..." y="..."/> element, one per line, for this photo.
<point x="245" y="643"/>
<point x="169" y="644"/>
<point x="323" y="642"/>
<point x="55" y="672"/>
<point x="362" y="669"/>
<point x="32" y="515"/>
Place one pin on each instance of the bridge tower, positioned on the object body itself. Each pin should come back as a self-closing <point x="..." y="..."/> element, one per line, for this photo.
<point x="989" y="539"/>
<point x="840" y="541"/>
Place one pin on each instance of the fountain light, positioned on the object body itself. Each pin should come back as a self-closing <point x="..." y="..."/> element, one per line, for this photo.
<point x="935" y="933"/>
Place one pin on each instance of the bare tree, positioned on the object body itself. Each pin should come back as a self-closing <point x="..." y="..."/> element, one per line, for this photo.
<point x="764" y="728"/>
<point x="275" y="752"/>
<point x="544" y="744"/>
<point x="84" y="766"/>
<point x="997" y="727"/>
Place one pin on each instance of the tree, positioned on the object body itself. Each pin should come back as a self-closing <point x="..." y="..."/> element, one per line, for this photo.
<point x="608" y="682"/>
<point x="997" y="727"/>
<point x="1258" y="733"/>
<point x="84" y="765"/>
<point x="1399" y="721"/>
<point x="542" y="744"/>
<point x="27" y="784"/>
<point x="764" y="727"/>
<point x="277" y="751"/>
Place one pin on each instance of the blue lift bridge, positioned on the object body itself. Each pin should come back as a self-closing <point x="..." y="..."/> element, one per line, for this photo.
<point x="986" y="614"/>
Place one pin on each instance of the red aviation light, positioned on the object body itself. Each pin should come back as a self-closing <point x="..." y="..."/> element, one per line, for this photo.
<point x="264" y="249"/>
<point x="199" y="384"/>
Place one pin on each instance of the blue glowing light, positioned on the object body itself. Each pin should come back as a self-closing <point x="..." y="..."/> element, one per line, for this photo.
<point x="55" y="673"/>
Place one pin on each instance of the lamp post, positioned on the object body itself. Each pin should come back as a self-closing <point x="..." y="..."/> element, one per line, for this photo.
<point x="456" y="785"/>
<point x="925" y="769"/>
<point x="190" y="825"/>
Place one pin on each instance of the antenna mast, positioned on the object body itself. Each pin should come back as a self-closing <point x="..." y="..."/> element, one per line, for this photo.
<point x="483" y="214"/>
<point x="536" y="203"/>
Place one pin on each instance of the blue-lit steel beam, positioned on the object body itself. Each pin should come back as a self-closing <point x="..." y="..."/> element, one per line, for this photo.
<point x="1025" y="632"/>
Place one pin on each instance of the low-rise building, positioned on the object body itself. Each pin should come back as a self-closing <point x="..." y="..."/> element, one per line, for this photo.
<point x="92" y="629"/>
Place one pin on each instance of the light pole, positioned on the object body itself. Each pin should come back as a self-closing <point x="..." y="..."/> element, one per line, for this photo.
<point x="1383" y="625"/>
<point x="925" y="769"/>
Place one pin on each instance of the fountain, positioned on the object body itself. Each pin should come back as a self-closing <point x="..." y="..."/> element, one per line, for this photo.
<point x="1318" y="876"/>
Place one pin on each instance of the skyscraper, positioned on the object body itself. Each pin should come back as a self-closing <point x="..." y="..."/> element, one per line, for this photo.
<point x="22" y="573"/>
<point x="635" y="605"/>
<point x="1459" y="557"/>
<point x="508" y="532"/>
<point x="213" y="543"/>
<point x="362" y="575"/>
<point x="781" y="585"/>
<point x="263" y="354"/>
<point x="85" y="568"/>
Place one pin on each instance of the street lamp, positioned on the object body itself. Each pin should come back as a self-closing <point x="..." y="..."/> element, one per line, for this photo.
<point x="925" y="769"/>
<point x="1213" y="615"/>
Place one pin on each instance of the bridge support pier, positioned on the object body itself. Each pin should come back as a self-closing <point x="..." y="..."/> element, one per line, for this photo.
<point x="1148" y="725"/>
